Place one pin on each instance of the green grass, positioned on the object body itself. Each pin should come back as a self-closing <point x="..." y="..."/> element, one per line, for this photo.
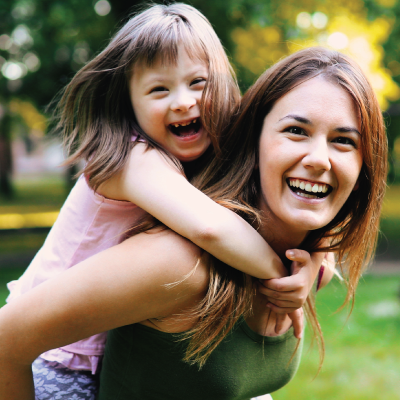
<point x="35" y="195"/>
<point x="7" y="275"/>
<point x="362" y="355"/>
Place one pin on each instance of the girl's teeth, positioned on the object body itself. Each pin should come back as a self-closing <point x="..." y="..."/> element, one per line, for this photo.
<point x="302" y="185"/>
<point x="185" y="124"/>
<point x="308" y="187"/>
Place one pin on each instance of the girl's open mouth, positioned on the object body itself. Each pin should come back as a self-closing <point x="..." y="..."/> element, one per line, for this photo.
<point x="308" y="189"/>
<point x="186" y="129"/>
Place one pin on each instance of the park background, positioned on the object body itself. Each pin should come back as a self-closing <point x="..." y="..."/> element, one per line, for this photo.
<point x="44" y="42"/>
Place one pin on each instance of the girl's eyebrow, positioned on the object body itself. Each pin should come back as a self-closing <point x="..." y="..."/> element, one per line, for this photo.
<point x="343" y="129"/>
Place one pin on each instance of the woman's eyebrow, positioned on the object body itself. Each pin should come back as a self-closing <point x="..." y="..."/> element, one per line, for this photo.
<point x="347" y="129"/>
<point x="297" y="118"/>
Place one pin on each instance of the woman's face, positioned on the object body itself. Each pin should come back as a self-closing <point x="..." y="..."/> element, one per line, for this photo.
<point x="310" y="156"/>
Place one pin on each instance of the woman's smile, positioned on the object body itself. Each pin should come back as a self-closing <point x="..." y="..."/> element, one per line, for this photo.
<point x="307" y="189"/>
<point x="310" y="156"/>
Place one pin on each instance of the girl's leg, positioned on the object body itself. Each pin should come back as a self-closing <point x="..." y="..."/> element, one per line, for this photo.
<point x="55" y="382"/>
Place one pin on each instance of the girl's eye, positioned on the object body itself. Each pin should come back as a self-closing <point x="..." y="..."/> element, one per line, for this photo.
<point x="295" y="130"/>
<point x="198" y="81"/>
<point x="158" y="89"/>
<point x="345" y="140"/>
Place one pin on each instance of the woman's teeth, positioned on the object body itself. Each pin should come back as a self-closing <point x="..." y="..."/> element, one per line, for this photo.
<point x="308" y="187"/>
<point x="308" y="196"/>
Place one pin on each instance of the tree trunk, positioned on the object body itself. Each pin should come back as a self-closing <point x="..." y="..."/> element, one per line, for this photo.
<point x="6" y="188"/>
<point x="70" y="176"/>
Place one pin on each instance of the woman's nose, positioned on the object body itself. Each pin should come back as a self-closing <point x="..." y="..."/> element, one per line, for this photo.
<point x="317" y="156"/>
<point x="183" y="101"/>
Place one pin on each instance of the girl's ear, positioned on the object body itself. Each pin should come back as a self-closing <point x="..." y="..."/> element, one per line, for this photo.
<point x="357" y="185"/>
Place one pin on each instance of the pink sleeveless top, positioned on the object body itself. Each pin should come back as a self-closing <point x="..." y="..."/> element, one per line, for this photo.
<point x="88" y="223"/>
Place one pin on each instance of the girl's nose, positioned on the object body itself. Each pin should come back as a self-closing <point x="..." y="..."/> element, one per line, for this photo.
<point x="183" y="101"/>
<point x="317" y="156"/>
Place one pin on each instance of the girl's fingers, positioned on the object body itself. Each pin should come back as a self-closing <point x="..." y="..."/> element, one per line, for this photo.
<point x="280" y="319"/>
<point x="298" y="255"/>
<point x="281" y="310"/>
<point x="286" y="284"/>
<point x="297" y="322"/>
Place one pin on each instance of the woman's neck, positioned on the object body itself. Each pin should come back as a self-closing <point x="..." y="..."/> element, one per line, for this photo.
<point x="281" y="237"/>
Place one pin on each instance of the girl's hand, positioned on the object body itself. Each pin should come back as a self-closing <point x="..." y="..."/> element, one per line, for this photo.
<point x="287" y="295"/>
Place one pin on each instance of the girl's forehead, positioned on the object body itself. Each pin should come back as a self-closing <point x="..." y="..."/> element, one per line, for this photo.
<point x="166" y="59"/>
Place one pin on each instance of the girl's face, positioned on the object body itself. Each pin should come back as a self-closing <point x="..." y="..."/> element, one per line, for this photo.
<point x="310" y="156"/>
<point x="166" y="101"/>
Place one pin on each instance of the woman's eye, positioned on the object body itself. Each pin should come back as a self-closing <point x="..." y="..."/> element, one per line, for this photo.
<point x="345" y="140"/>
<point x="295" y="130"/>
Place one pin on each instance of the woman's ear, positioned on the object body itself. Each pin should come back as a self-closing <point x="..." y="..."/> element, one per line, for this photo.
<point x="357" y="185"/>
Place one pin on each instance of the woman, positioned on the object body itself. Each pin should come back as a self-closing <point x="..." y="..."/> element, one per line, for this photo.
<point x="307" y="158"/>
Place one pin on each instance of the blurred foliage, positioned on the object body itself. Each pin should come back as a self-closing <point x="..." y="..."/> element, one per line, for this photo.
<point x="43" y="43"/>
<point x="340" y="24"/>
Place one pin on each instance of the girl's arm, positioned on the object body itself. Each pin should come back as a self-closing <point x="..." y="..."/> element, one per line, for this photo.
<point x="151" y="182"/>
<point x="122" y="285"/>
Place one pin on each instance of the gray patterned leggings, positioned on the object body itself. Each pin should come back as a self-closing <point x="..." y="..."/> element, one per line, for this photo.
<point x="55" y="382"/>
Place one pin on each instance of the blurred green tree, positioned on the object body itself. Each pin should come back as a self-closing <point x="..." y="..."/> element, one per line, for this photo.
<point x="43" y="43"/>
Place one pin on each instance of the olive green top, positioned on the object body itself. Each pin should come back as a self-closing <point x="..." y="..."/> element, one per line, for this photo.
<point x="146" y="364"/>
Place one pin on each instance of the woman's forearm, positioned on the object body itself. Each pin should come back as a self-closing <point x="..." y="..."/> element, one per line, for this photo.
<point x="16" y="382"/>
<point x="120" y="286"/>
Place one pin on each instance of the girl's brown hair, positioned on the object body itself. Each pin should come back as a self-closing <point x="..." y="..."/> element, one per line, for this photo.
<point x="233" y="181"/>
<point x="95" y="112"/>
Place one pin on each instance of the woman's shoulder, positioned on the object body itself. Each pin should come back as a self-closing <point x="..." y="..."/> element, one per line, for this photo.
<point x="174" y="258"/>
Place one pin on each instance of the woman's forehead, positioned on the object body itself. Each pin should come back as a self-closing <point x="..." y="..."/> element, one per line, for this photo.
<point x="317" y="98"/>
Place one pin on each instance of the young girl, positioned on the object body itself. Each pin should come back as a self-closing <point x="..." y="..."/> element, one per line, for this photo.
<point x="156" y="96"/>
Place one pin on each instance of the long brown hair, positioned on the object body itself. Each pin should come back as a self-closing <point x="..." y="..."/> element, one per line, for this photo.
<point x="233" y="181"/>
<point x="95" y="112"/>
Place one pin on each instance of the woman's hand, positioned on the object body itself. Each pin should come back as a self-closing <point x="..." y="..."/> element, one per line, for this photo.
<point x="287" y="295"/>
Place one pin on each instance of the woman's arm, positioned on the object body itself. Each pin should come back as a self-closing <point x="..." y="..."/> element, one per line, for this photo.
<point x="122" y="285"/>
<point x="150" y="181"/>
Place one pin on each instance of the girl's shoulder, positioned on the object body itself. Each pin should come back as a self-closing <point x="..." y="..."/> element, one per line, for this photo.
<point x="143" y="163"/>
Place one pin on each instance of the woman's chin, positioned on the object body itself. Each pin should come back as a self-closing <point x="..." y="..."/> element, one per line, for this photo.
<point x="307" y="221"/>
